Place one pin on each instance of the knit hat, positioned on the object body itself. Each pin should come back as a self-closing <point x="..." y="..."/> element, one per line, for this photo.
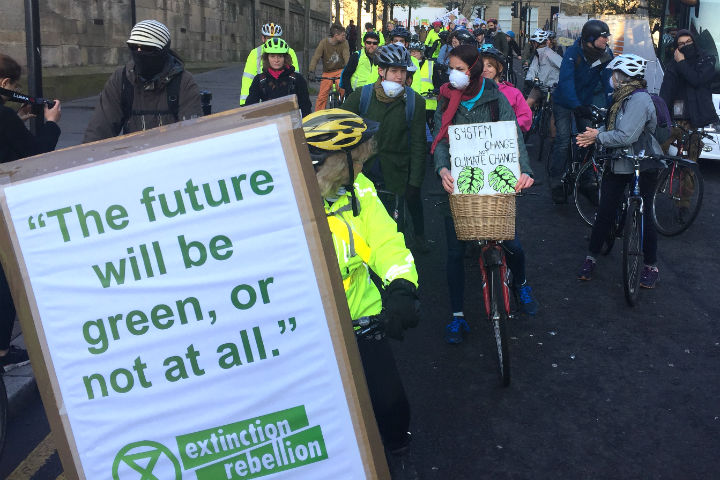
<point x="150" y="33"/>
<point x="683" y="33"/>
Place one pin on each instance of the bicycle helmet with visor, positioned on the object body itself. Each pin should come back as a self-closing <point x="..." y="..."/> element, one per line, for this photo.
<point x="333" y="131"/>
<point x="392" y="56"/>
<point x="630" y="64"/>
<point x="593" y="29"/>
<point x="271" y="30"/>
<point x="275" y="45"/>
<point x="487" y="50"/>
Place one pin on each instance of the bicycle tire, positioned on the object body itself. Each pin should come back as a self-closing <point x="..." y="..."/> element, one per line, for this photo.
<point x="586" y="191"/>
<point x="498" y="318"/>
<point x="632" y="251"/>
<point x="3" y="413"/>
<point x="673" y="182"/>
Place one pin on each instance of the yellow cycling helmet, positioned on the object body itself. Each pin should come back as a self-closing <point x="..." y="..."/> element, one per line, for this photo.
<point x="335" y="130"/>
<point x="275" y="45"/>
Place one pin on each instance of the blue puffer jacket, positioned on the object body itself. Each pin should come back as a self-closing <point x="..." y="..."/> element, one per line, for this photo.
<point x="579" y="80"/>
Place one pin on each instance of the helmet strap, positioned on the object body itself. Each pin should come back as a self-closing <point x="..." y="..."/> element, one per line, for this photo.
<point x="350" y="186"/>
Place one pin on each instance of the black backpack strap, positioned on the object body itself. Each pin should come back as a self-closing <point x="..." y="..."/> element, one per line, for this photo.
<point x="127" y="95"/>
<point x="494" y="111"/>
<point x="173" y="95"/>
<point x="291" y="86"/>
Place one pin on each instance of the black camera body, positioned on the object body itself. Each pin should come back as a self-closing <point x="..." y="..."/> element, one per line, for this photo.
<point x="37" y="103"/>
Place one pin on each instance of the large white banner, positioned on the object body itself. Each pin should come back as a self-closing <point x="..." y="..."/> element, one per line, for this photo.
<point x="183" y="317"/>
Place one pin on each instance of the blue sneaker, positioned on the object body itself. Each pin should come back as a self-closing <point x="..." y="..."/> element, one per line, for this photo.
<point x="454" y="329"/>
<point x="527" y="303"/>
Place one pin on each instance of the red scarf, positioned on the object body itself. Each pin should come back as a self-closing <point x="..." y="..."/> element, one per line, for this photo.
<point x="275" y="73"/>
<point x="454" y="97"/>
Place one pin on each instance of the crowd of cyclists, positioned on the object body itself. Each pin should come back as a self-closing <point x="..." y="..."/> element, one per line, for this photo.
<point x="400" y="96"/>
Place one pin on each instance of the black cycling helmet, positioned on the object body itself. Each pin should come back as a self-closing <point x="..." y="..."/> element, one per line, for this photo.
<point x="479" y="31"/>
<point x="400" y="32"/>
<point x="488" y="50"/>
<point x="593" y="29"/>
<point x="465" y="37"/>
<point x="443" y="35"/>
<point x="392" y="56"/>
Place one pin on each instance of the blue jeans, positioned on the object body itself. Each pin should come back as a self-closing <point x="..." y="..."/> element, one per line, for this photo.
<point x="456" y="269"/>
<point x="561" y="148"/>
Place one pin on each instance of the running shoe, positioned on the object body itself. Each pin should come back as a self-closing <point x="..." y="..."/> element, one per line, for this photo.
<point x="454" y="329"/>
<point x="586" y="270"/>
<point x="527" y="303"/>
<point x="649" y="277"/>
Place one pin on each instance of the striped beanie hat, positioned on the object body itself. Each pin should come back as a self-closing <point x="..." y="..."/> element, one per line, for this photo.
<point x="151" y="33"/>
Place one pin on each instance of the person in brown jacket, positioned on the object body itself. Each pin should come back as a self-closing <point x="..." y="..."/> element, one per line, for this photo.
<point x="335" y="53"/>
<point x="151" y="90"/>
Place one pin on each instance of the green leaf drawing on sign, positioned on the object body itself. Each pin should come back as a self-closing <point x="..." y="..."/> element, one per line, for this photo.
<point x="502" y="180"/>
<point x="471" y="180"/>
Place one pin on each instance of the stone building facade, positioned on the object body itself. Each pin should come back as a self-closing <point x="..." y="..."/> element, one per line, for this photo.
<point x="88" y="36"/>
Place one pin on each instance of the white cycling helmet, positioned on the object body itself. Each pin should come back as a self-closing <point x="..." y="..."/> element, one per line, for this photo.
<point x="272" y="30"/>
<point x="630" y="64"/>
<point x="539" y="36"/>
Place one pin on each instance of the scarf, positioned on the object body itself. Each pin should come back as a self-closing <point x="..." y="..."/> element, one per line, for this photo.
<point x="620" y="94"/>
<point x="275" y="73"/>
<point x="454" y="97"/>
<point x="592" y="53"/>
<point x="380" y="93"/>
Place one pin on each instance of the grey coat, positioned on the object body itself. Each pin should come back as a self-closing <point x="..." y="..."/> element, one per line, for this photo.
<point x="634" y="132"/>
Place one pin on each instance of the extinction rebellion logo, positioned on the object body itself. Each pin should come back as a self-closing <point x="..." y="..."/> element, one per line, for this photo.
<point x="247" y="449"/>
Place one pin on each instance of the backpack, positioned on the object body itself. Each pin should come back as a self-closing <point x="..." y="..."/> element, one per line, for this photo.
<point x="127" y="95"/>
<point x="664" y="121"/>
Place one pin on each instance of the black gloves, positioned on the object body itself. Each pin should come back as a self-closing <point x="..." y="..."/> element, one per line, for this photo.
<point x="401" y="308"/>
<point x="583" y="111"/>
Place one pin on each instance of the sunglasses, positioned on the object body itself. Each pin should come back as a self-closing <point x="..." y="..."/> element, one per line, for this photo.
<point x="682" y="44"/>
<point x="372" y="43"/>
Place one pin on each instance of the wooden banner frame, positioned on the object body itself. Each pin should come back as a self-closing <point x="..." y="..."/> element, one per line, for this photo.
<point x="285" y="115"/>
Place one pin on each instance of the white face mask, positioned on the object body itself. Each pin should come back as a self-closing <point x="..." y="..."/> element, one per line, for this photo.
<point x="392" y="89"/>
<point x="459" y="79"/>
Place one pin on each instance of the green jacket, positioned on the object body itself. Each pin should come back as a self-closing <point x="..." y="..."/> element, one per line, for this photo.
<point x="389" y="258"/>
<point x="402" y="162"/>
<point x="480" y="113"/>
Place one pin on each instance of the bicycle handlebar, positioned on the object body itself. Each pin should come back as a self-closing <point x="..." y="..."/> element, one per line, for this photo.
<point x="698" y="130"/>
<point x="332" y="79"/>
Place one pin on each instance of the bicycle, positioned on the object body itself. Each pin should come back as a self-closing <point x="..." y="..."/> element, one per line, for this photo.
<point x="542" y="116"/>
<point x="580" y="156"/>
<point x="679" y="192"/>
<point x="586" y="192"/>
<point x="496" y="294"/>
<point x="334" y="100"/>
<point x="629" y="224"/>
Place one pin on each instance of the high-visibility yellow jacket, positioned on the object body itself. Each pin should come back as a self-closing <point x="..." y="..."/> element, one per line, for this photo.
<point x="422" y="83"/>
<point x="365" y="72"/>
<point x="376" y="244"/>
<point x="253" y="66"/>
<point x="430" y="39"/>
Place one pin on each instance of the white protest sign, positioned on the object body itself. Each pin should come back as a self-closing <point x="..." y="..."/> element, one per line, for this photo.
<point x="183" y="317"/>
<point x="484" y="157"/>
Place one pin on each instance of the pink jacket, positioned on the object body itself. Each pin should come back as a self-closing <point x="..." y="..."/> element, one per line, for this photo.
<point x="518" y="104"/>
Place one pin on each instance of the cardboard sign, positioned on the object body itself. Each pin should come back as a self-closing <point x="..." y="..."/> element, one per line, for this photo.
<point x="190" y="318"/>
<point x="484" y="157"/>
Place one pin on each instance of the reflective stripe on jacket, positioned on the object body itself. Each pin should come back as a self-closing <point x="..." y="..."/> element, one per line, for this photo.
<point x="366" y="71"/>
<point x="388" y="256"/>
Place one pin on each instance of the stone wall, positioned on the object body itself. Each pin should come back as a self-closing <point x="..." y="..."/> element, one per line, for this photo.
<point x="89" y="35"/>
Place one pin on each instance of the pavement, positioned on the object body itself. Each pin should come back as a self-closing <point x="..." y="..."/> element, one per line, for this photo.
<point x="223" y="83"/>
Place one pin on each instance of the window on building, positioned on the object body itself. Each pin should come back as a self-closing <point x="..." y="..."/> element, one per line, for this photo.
<point x="505" y="18"/>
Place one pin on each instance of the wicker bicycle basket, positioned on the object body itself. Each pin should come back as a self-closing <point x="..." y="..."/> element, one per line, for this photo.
<point x="483" y="217"/>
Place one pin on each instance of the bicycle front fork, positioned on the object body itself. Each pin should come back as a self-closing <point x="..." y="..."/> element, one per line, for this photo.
<point x="492" y="258"/>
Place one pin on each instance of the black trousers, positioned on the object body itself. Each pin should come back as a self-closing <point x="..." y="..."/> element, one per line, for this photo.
<point x="7" y="312"/>
<point x="390" y="404"/>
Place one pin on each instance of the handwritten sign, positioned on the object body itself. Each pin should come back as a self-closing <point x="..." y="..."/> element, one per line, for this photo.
<point x="484" y="157"/>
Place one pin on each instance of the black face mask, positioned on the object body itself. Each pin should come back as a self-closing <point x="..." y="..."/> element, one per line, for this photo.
<point x="492" y="30"/>
<point x="690" y="51"/>
<point x="149" y="64"/>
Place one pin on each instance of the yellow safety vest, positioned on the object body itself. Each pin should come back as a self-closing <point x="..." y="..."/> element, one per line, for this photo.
<point x="430" y="39"/>
<point x="422" y="83"/>
<point x="365" y="73"/>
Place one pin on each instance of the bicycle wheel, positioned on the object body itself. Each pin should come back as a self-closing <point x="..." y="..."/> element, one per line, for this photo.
<point x="3" y="413"/>
<point x="586" y="191"/>
<point x="632" y="251"/>
<point x="499" y="316"/>
<point x="678" y="197"/>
